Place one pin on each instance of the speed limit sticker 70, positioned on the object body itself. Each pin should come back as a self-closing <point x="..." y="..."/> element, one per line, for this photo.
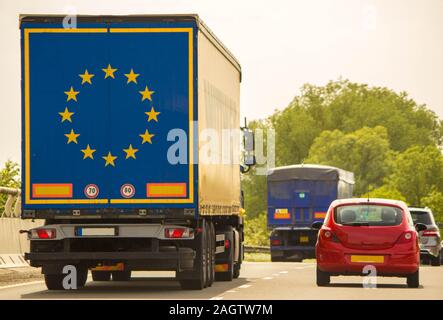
<point x="91" y="191"/>
<point x="127" y="190"/>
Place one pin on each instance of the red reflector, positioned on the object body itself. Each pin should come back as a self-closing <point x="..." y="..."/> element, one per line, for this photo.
<point x="227" y="244"/>
<point x="275" y="242"/>
<point x="46" y="233"/>
<point x="175" y="233"/>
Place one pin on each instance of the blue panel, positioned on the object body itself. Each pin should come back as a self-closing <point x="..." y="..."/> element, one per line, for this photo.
<point x="109" y="113"/>
<point x="302" y="198"/>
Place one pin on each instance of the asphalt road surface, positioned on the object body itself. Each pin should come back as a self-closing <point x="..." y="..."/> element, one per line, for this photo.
<point x="258" y="280"/>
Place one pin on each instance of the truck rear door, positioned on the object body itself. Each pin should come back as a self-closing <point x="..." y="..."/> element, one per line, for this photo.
<point x="102" y="106"/>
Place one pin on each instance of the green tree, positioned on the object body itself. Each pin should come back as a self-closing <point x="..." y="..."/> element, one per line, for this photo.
<point x="417" y="172"/>
<point x="385" y="192"/>
<point x="9" y="177"/>
<point x="434" y="200"/>
<point x="347" y="107"/>
<point x="364" y="152"/>
<point x="256" y="232"/>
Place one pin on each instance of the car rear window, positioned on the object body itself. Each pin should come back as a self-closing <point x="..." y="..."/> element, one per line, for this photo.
<point x="421" y="217"/>
<point x="368" y="215"/>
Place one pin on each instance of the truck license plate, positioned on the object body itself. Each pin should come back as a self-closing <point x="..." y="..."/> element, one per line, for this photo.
<point x="304" y="239"/>
<point x="89" y="231"/>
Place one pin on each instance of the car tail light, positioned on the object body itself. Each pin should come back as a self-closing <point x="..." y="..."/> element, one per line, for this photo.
<point x="178" y="233"/>
<point x="427" y="233"/>
<point x="43" y="234"/>
<point x="406" y="237"/>
<point x="328" y="235"/>
<point x="275" y="242"/>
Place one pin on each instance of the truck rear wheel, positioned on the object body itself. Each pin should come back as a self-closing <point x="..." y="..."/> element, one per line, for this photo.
<point x="101" y="275"/>
<point x="237" y="267"/>
<point x="199" y="279"/>
<point x="211" y="262"/>
<point x="55" y="281"/>
<point x="121" y="275"/>
<point x="229" y="274"/>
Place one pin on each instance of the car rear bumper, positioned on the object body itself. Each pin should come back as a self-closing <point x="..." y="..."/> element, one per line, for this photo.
<point x="392" y="263"/>
<point x="430" y="251"/>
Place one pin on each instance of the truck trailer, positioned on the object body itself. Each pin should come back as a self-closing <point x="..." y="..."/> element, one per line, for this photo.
<point x="299" y="195"/>
<point x="113" y="109"/>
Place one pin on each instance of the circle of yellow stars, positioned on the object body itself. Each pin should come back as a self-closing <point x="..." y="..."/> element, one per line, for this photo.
<point x="67" y="115"/>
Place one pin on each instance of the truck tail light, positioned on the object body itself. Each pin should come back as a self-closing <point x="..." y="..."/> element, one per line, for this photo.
<point x="275" y="242"/>
<point x="227" y="244"/>
<point x="178" y="233"/>
<point x="43" y="234"/>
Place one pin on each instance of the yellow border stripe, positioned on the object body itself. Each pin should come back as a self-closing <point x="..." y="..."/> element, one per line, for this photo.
<point x="28" y="199"/>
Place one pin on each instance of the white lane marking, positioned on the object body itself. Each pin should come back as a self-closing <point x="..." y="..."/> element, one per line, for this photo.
<point x="21" y="284"/>
<point x="268" y="278"/>
<point x="275" y="274"/>
<point x="283" y="272"/>
<point x="231" y="291"/>
<point x="216" y="298"/>
<point x="244" y="286"/>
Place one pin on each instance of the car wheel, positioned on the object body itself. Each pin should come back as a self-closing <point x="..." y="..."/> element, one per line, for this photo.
<point x="413" y="280"/>
<point x="323" y="278"/>
<point x="435" y="261"/>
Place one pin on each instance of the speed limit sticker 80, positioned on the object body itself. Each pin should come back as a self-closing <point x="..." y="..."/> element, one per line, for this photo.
<point x="91" y="191"/>
<point x="127" y="190"/>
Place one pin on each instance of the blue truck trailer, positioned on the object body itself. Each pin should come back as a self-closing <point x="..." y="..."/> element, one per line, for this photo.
<point x="112" y="111"/>
<point x="298" y="195"/>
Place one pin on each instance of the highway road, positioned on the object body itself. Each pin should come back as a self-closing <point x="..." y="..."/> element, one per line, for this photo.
<point x="258" y="280"/>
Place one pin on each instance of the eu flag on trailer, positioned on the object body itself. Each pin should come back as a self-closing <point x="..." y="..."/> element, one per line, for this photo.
<point x="99" y="103"/>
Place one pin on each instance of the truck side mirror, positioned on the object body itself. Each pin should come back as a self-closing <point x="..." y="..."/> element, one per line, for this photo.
<point x="317" y="225"/>
<point x="249" y="147"/>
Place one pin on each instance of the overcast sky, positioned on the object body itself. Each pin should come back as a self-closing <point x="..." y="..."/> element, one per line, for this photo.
<point x="280" y="44"/>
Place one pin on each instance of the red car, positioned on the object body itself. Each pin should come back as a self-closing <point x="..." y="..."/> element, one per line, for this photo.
<point x="361" y="232"/>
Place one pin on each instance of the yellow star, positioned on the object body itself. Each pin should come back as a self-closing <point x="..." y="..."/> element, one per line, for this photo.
<point x="146" y="94"/>
<point x="130" y="152"/>
<point x="72" y="95"/>
<point x="132" y="77"/>
<point x="146" y="137"/>
<point x="152" y="115"/>
<point x="88" y="152"/>
<point x="86" y="77"/>
<point x="72" y="136"/>
<point x="109" y="72"/>
<point x="109" y="159"/>
<point x="66" y="115"/>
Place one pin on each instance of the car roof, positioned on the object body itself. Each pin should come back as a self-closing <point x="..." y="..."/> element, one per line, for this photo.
<point x="391" y="202"/>
<point x="419" y="209"/>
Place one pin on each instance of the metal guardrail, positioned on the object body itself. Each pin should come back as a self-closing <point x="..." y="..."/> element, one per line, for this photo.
<point x="13" y="202"/>
<point x="256" y="249"/>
